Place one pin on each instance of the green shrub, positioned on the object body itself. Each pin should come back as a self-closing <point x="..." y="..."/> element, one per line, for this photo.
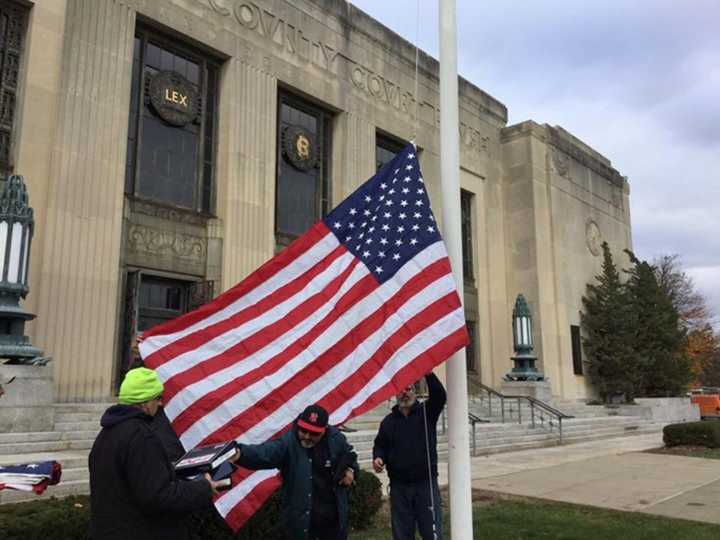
<point x="693" y="433"/>
<point x="69" y="518"/>
<point x="365" y="500"/>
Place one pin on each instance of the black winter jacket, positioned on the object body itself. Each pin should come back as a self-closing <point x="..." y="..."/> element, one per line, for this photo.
<point x="161" y="426"/>
<point x="400" y="442"/>
<point x="134" y="493"/>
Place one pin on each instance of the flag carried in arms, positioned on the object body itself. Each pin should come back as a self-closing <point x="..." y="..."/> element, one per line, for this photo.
<point x="360" y="306"/>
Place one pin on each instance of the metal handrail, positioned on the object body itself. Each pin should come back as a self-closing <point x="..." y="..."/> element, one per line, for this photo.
<point x="482" y="391"/>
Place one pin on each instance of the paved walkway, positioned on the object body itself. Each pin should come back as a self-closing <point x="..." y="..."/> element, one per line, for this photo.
<point x="612" y="473"/>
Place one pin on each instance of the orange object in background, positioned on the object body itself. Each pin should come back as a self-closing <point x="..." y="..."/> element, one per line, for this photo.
<point x="709" y="404"/>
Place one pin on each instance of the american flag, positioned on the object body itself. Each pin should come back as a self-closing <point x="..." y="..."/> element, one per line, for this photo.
<point x="30" y="476"/>
<point x="360" y="306"/>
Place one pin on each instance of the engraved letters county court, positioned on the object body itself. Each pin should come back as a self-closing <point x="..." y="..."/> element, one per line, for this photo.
<point x="294" y="41"/>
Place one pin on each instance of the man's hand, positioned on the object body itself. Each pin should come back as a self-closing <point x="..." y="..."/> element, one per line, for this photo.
<point x="349" y="477"/>
<point x="378" y="465"/>
<point x="235" y="457"/>
<point x="213" y="485"/>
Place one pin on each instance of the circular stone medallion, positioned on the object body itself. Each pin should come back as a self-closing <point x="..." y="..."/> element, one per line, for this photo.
<point x="174" y="98"/>
<point x="593" y="238"/>
<point x="299" y="148"/>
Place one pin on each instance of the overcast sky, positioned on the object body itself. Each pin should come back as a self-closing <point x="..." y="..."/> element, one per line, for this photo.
<point x="638" y="80"/>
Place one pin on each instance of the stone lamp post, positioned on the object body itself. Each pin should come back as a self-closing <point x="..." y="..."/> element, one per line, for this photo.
<point x="524" y="378"/>
<point x="27" y="403"/>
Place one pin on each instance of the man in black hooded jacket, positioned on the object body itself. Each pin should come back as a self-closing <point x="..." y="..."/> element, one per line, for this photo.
<point x="134" y="494"/>
<point x="407" y="445"/>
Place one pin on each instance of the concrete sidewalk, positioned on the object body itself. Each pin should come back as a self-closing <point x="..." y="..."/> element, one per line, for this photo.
<point x="611" y="473"/>
<point x="541" y="458"/>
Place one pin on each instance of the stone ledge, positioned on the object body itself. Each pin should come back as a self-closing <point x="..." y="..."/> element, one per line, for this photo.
<point x="665" y="410"/>
<point x="27" y="404"/>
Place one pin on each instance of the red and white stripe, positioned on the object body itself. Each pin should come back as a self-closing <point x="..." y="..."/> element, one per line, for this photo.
<point x="312" y="325"/>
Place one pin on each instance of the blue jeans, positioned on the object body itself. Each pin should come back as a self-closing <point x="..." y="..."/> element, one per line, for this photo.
<point x="410" y="507"/>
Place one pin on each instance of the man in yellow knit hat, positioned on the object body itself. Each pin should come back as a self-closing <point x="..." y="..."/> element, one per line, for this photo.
<point x="134" y="493"/>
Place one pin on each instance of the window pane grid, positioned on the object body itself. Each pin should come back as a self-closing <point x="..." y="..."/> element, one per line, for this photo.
<point x="302" y="196"/>
<point x="385" y="150"/>
<point x="576" y="349"/>
<point x="466" y="230"/>
<point x="166" y="163"/>
<point x="471" y="348"/>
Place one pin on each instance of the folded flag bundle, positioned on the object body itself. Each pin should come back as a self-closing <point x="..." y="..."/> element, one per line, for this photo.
<point x="213" y="459"/>
<point x="30" y="476"/>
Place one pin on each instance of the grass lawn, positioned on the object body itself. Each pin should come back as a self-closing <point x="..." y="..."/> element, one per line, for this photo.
<point x="510" y="518"/>
<point x="689" y="451"/>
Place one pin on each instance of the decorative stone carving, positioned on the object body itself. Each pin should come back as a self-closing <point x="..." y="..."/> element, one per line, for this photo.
<point x="561" y="163"/>
<point x="170" y="214"/>
<point x="14" y="20"/>
<point x="299" y="147"/>
<point x="174" y="98"/>
<point x="160" y="242"/>
<point x="593" y="237"/>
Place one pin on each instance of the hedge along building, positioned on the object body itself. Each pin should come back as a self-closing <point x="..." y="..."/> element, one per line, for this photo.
<point x="172" y="146"/>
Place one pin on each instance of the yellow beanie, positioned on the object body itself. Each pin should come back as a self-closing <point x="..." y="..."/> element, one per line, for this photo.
<point x="140" y="385"/>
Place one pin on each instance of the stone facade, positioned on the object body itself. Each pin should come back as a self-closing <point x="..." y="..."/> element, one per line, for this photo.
<point x="542" y="201"/>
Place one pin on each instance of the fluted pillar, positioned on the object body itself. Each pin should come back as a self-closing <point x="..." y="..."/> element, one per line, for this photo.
<point x="79" y="263"/>
<point x="246" y="172"/>
<point x="353" y="156"/>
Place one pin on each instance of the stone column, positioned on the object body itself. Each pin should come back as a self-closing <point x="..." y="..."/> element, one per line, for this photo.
<point x="79" y="272"/>
<point x="246" y="168"/>
<point x="353" y="159"/>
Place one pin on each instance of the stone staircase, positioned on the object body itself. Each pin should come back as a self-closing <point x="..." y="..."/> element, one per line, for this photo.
<point x="496" y="437"/>
<point x="76" y="426"/>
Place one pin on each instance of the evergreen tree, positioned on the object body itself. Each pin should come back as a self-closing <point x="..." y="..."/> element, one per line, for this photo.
<point x="662" y="366"/>
<point x="606" y="321"/>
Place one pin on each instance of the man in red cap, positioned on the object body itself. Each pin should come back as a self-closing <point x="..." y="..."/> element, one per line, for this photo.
<point x="317" y="466"/>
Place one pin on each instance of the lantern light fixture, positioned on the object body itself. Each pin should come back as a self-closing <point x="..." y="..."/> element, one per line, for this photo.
<point x="16" y="231"/>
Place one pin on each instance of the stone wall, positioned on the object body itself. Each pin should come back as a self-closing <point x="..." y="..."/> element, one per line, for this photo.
<point x="661" y="410"/>
<point x="562" y="200"/>
<point x="536" y="189"/>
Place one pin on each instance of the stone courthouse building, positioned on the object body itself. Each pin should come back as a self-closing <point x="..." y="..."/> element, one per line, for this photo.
<point x="172" y="146"/>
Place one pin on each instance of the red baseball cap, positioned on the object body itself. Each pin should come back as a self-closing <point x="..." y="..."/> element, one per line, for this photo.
<point x="313" y="419"/>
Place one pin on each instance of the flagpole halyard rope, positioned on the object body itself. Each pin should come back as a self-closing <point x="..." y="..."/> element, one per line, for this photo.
<point x="430" y="479"/>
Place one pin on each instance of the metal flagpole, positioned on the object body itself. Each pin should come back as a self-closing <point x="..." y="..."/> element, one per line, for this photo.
<point x="458" y="439"/>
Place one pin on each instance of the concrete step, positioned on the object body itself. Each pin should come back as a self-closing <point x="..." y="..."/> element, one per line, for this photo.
<point x="576" y="434"/>
<point x="63" y="489"/>
<point x="68" y="459"/>
<point x="68" y="417"/>
<point x="78" y="426"/>
<point x="45" y="436"/>
<point x="506" y="435"/>
<point x="45" y="446"/>
<point x="498" y="441"/>
<point x="97" y="408"/>
<point x="516" y="429"/>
